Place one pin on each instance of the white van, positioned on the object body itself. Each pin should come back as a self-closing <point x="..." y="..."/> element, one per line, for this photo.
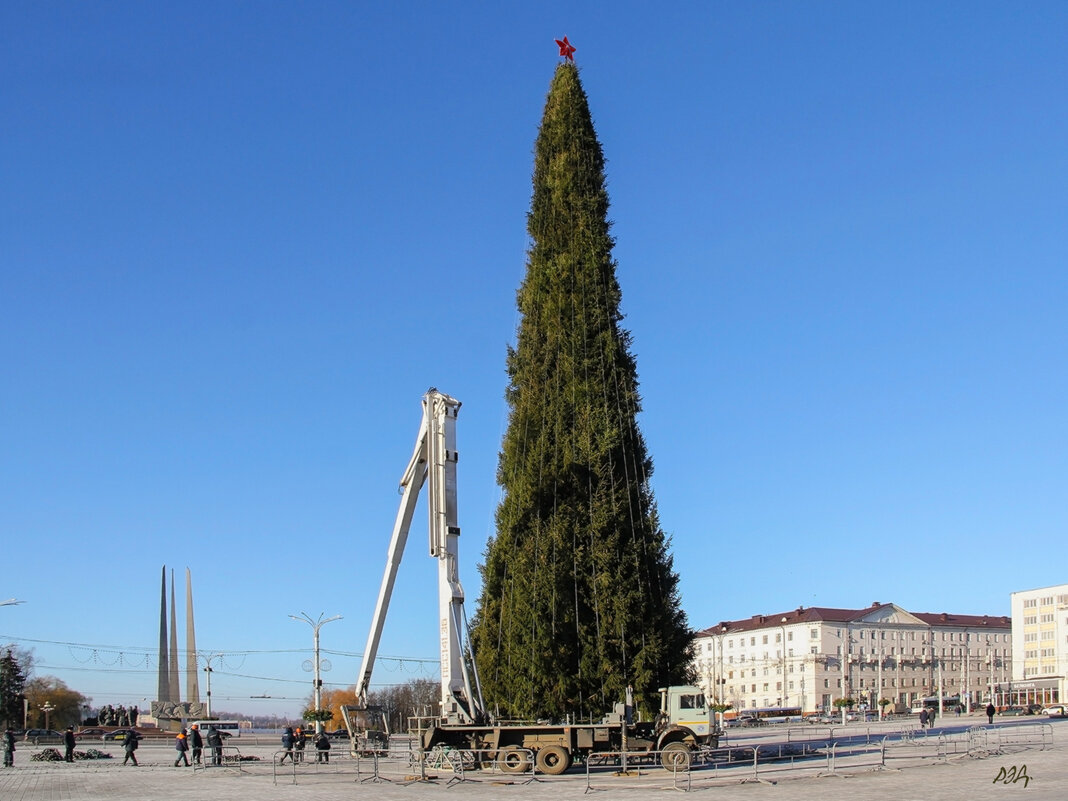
<point x="227" y="728"/>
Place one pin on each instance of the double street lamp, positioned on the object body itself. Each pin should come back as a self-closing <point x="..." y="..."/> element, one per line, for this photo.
<point x="48" y="709"/>
<point x="316" y="625"/>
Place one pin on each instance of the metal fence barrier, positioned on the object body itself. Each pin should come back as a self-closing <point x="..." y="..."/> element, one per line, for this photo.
<point x="403" y="763"/>
<point x="229" y="757"/>
<point x="640" y="770"/>
<point x="409" y="765"/>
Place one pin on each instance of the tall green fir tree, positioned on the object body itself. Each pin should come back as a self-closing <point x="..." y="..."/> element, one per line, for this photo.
<point x="579" y="595"/>
<point x="12" y="685"/>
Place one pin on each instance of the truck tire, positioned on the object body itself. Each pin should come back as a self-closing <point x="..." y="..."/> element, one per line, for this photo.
<point x="553" y="760"/>
<point x="675" y="756"/>
<point x="511" y="759"/>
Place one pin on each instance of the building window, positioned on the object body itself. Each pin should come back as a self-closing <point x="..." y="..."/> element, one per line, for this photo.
<point x="813" y="633"/>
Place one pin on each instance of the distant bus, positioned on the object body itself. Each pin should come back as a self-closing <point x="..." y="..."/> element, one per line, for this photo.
<point x="949" y="704"/>
<point x="227" y="728"/>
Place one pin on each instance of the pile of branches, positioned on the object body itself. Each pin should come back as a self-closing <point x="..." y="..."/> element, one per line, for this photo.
<point x="53" y="755"/>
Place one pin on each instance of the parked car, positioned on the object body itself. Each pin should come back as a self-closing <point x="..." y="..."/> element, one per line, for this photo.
<point x="38" y="736"/>
<point x="1054" y="711"/>
<point x="91" y="733"/>
<point x="119" y="734"/>
<point x="819" y="717"/>
<point x="1013" y="711"/>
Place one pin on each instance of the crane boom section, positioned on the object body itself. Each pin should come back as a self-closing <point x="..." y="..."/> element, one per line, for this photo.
<point x="433" y="462"/>
<point x="410" y="484"/>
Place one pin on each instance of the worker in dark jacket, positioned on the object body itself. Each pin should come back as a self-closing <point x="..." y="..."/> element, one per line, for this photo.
<point x="215" y="744"/>
<point x="300" y="739"/>
<point x="129" y="745"/>
<point x="69" y="742"/>
<point x="181" y="745"/>
<point x="9" y="748"/>
<point x="196" y="742"/>
<point x="287" y="745"/>
<point x="322" y="747"/>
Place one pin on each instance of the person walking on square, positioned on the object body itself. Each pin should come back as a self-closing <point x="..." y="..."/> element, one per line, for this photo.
<point x="129" y="745"/>
<point x="215" y="744"/>
<point x="990" y="713"/>
<point x="322" y="747"/>
<point x="923" y="718"/>
<point x="181" y="745"/>
<point x="9" y="748"/>
<point x="287" y="745"/>
<point x="69" y="742"/>
<point x="197" y="743"/>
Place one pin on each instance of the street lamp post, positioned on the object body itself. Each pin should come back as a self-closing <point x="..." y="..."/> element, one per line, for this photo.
<point x="879" y="682"/>
<point x="990" y="687"/>
<point x="938" y="668"/>
<point x="208" y="670"/>
<point x="316" y="625"/>
<point x="785" y="692"/>
<point x="966" y="692"/>
<point x="47" y="708"/>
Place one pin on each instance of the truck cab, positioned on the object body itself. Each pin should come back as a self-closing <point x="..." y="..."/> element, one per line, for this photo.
<point x="685" y="717"/>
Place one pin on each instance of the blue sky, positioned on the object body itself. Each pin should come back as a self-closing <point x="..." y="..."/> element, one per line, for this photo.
<point x="238" y="241"/>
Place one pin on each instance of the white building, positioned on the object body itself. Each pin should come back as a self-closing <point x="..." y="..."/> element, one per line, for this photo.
<point x="1039" y="645"/>
<point x="809" y="658"/>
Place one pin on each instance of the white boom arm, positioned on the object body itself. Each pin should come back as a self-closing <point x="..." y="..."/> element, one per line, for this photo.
<point x="433" y="461"/>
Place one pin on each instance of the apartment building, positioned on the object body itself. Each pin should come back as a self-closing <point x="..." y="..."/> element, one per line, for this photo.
<point x="808" y="658"/>
<point x="1039" y="645"/>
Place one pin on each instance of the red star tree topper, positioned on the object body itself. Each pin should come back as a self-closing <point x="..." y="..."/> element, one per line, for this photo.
<point x="566" y="48"/>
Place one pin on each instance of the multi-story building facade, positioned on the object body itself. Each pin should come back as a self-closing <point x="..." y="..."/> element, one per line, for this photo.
<point x="1040" y="645"/>
<point x="809" y="658"/>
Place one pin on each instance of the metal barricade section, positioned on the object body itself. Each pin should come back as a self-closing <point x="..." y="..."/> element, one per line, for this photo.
<point x="637" y="770"/>
<point x="228" y="756"/>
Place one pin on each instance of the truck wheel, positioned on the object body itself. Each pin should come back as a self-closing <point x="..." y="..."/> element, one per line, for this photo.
<point x="675" y="756"/>
<point x="511" y="759"/>
<point x="553" y="760"/>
